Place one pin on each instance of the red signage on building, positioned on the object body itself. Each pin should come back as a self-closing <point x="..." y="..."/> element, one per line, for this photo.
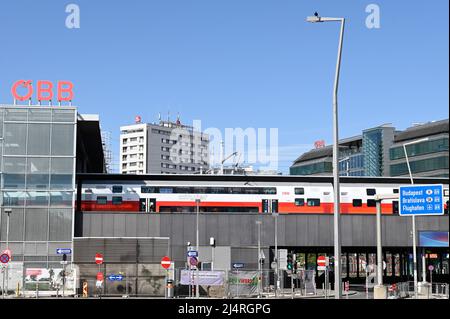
<point x="319" y="144"/>
<point x="23" y="90"/>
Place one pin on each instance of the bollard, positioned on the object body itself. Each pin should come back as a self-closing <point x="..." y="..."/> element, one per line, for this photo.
<point x="170" y="289"/>
<point x="85" y="289"/>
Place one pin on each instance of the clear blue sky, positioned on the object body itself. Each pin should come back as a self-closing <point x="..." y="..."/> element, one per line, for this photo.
<point x="236" y="63"/>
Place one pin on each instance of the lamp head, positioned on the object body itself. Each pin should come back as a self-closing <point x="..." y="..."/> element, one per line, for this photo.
<point x="315" y="18"/>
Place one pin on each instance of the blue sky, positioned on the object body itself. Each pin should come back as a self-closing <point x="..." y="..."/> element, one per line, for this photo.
<point x="236" y="63"/>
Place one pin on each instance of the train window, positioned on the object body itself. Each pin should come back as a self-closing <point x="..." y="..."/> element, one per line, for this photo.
<point x="270" y="190"/>
<point x="117" y="189"/>
<point x="371" y="191"/>
<point x="148" y="189"/>
<point x="184" y="190"/>
<point x="166" y="190"/>
<point x="313" y="202"/>
<point x="235" y="190"/>
<point x="395" y="190"/>
<point x="102" y="200"/>
<point x="299" y="202"/>
<point x="299" y="191"/>
<point x="371" y="203"/>
<point x="357" y="202"/>
<point x="117" y="200"/>
<point x="217" y="190"/>
<point x="395" y="206"/>
<point x="199" y="190"/>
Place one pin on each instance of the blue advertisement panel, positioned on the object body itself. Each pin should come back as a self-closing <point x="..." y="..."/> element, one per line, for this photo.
<point x="433" y="239"/>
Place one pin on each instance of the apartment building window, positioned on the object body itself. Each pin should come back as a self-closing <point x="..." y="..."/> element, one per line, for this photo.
<point x="133" y="148"/>
<point x="141" y="140"/>
<point x="124" y="141"/>
<point x="124" y="158"/>
<point x="124" y="149"/>
<point x="132" y="164"/>
<point x="124" y="166"/>
<point x="133" y="139"/>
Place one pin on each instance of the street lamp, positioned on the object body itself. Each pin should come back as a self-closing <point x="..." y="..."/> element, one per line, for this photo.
<point x="337" y="230"/>
<point x="197" y="202"/>
<point x="8" y="212"/>
<point x="277" y="281"/>
<point x="259" y="222"/>
<point x="413" y="217"/>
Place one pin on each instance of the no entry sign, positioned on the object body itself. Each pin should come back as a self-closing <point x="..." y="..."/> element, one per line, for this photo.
<point x="321" y="261"/>
<point x="98" y="259"/>
<point x="165" y="262"/>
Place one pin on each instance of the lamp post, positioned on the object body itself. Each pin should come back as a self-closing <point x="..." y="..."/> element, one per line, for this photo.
<point x="277" y="281"/>
<point x="413" y="217"/>
<point x="337" y="230"/>
<point x="197" y="202"/>
<point x="259" y="222"/>
<point x="8" y="212"/>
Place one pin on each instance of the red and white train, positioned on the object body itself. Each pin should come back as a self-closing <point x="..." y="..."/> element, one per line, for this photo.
<point x="251" y="194"/>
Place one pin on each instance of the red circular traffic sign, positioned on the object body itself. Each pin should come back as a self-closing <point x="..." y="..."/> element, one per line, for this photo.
<point x="165" y="262"/>
<point x="4" y="258"/>
<point x="100" y="276"/>
<point x="321" y="261"/>
<point x="98" y="259"/>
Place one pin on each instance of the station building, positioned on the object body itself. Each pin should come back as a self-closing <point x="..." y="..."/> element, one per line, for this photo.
<point x="41" y="149"/>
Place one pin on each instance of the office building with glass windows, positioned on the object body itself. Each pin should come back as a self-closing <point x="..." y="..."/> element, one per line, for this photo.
<point x="427" y="149"/>
<point x="38" y="163"/>
<point x="379" y="152"/>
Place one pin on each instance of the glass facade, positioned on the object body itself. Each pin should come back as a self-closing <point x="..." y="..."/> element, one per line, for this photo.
<point x="373" y="152"/>
<point x="427" y="147"/>
<point x="37" y="176"/>
<point x="352" y="165"/>
<point x="316" y="168"/>
<point x="424" y="165"/>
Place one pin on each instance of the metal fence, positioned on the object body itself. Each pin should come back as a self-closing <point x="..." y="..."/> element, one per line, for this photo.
<point x="243" y="284"/>
<point x="406" y="290"/>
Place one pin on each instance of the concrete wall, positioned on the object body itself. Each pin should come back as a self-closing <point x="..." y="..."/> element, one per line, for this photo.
<point x="240" y="232"/>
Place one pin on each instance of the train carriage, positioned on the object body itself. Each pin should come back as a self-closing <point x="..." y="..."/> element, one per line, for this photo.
<point x="243" y="194"/>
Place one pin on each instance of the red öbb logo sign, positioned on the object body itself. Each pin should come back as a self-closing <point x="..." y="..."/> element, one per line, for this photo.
<point x="23" y="90"/>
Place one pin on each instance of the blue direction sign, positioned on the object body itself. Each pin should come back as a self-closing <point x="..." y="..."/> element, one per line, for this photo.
<point x="238" y="265"/>
<point x="421" y="200"/>
<point x="115" y="277"/>
<point x="62" y="251"/>
<point x="192" y="253"/>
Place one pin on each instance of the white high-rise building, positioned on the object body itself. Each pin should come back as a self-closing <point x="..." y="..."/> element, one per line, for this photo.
<point x="163" y="148"/>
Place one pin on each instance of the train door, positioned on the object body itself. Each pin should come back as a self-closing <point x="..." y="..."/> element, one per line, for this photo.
<point x="270" y="205"/>
<point x="147" y="205"/>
